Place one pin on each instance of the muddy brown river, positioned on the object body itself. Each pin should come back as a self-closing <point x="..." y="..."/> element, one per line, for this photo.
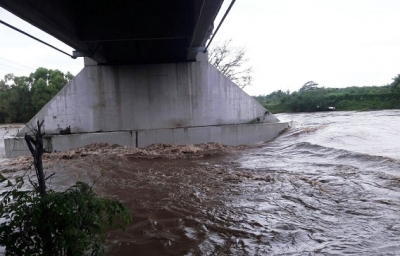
<point x="328" y="186"/>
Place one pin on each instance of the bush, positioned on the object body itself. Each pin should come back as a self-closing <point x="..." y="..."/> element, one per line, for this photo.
<point x="72" y="222"/>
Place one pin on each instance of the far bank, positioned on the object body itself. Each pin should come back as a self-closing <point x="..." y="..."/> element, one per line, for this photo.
<point x="314" y="99"/>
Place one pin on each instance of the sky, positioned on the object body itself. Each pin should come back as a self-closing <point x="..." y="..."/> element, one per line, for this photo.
<point x="336" y="43"/>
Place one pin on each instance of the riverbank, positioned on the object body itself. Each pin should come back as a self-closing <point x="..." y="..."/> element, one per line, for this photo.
<point x="342" y="99"/>
<point x="344" y="106"/>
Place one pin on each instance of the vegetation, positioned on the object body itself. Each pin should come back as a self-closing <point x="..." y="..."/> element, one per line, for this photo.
<point x="72" y="222"/>
<point x="22" y="97"/>
<point x="312" y="98"/>
<point x="46" y="222"/>
<point x="231" y="61"/>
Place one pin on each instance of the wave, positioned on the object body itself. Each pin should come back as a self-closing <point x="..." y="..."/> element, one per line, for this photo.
<point x="307" y="149"/>
<point x="303" y="130"/>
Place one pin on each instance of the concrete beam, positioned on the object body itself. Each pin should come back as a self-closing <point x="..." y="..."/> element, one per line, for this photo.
<point x="53" y="17"/>
<point x="206" y="12"/>
<point x="124" y="32"/>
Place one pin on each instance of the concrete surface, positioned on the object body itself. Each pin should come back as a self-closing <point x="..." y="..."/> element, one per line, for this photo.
<point x="232" y="135"/>
<point x="118" y="98"/>
<point x="181" y="103"/>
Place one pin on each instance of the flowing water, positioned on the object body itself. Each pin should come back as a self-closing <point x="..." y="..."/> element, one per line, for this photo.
<point x="336" y="188"/>
<point x="330" y="185"/>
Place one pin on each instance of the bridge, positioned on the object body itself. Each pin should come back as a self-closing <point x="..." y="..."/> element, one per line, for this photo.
<point x="146" y="77"/>
<point x="123" y="31"/>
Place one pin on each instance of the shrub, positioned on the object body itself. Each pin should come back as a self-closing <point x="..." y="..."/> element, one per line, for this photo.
<point x="72" y="222"/>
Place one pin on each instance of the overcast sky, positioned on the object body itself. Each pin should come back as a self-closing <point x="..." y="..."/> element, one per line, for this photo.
<point x="336" y="43"/>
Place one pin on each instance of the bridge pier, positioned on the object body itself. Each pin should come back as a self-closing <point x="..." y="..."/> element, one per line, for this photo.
<point x="138" y="105"/>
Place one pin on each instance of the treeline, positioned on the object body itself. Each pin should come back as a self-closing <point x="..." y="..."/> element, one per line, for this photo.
<point x="311" y="98"/>
<point x="22" y="97"/>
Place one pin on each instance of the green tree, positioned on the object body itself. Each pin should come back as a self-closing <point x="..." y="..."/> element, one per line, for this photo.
<point x="310" y="97"/>
<point x="22" y="97"/>
<point x="395" y="85"/>
<point x="41" y="94"/>
<point x="45" y="84"/>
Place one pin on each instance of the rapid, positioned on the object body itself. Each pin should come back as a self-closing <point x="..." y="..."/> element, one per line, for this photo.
<point x="330" y="185"/>
<point x="336" y="186"/>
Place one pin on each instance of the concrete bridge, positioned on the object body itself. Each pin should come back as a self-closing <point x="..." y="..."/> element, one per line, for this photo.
<point x="146" y="77"/>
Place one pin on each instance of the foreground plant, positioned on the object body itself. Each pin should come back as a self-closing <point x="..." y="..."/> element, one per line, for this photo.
<point x="45" y="222"/>
<point x="72" y="222"/>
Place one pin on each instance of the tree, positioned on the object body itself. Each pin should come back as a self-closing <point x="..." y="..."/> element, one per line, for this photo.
<point x="45" y="84"/>
<point x="22" y="96"/>
<point x="232" y="62"/>
<point x="309" y="86"/>
<point x="395" y="85"/>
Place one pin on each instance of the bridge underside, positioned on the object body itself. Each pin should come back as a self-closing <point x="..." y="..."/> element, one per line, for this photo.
<point x="124" y="31"/>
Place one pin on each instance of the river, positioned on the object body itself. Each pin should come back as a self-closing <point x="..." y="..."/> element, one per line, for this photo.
<point x="330" y="185"/>
<point x="336" y="186"/>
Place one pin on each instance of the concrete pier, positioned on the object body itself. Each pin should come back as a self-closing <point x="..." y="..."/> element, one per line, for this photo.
<point x="138" y="105"/>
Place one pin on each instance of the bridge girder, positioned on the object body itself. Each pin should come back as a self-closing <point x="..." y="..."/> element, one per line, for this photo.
<point x="124" y="31"/>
